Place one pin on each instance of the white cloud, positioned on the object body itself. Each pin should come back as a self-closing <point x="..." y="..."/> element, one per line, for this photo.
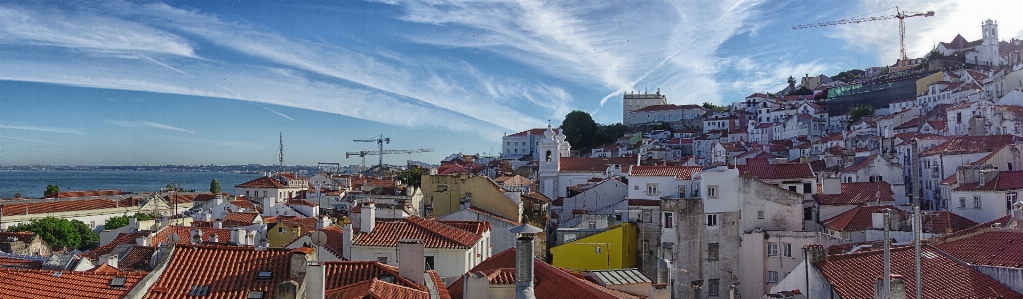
<point x="27" y="139"/>
<point x="278" y="113"/>
<point x="41" y="129"/>
<point x="139" y="124"/>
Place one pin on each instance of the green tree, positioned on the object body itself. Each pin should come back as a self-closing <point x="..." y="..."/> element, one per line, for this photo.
<point x="614" y="131"/>
<point x="714" y="108"/>
<point x="17" y="195"/>
<point x="801" y="91"/>
<point x="412" y="176"/>
<point x="116" y="222"/>
<point x="215" y="187"/>
<point x="579" y="128"/>
<point x="61" y="232"/>
<point x="51" y="189"/>
<point x="143" y="216"/>
<point x="859" y="112"/>
<point x="792" y="83"/>
<point x="848" y="76"/>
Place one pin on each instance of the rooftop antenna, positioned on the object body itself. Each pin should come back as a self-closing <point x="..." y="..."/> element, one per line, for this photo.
<point x="281" y="153"/>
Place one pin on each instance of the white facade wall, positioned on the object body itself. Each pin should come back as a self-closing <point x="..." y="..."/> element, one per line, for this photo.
<point x="500" y="237"/>
<point x="993" y="204"/>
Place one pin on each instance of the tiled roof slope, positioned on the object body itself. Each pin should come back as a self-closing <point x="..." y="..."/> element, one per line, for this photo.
<point x="995" y="247"/>
<point x="58" y="205"/>
<point x="1005" y="180"/>
<point x="765" y="171"/>
<point x="17" y="236"/>
<point x="240" y="218"/>
<point x="856" y="193"/>
<point x="262" y="182"/>
<point x="63" y="284"/>
<point x="67" y="194"/>
<point x="7" y="262"/>
<point x="853" y="275"/>
<point x="679" y="172"/>
<point x="549" y="281"/>
<point x="228" y="271"/>
<point x="343" y="273"/>
<point x="860" y="165"/>
<point x="969" y="144"/>
<point x="538" y="131"/>
<point x="941" y="222"/>
<point x="585" y="164"/>
<point x="857" y="219"/>
<point x="434" y="234"/>
<point x="137" y="259"/>
<point x="375" y="289"/>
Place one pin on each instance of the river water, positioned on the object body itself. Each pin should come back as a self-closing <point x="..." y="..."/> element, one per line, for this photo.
<point x="32" y="183"/>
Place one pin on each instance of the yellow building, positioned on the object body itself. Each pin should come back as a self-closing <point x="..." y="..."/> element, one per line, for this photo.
<point x="285" y="231"/>
<point x="611" y="249"/>
<point x="445" y="193"/>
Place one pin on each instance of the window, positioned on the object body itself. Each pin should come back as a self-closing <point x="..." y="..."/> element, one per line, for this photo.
<point x="382" y="259"/>
<point x="117" y="282"/>
<point x="1010" y="198"/>
<point x="668" y="219"/>
<point x="712" y="191"/>
<point x="430" y="263"/>
<point x="772" y="276"/>
<point x="807" y="188"/>
<point x="786" y="250"/>
<point x="282" y="229"/>
<point x="255" y="295"/>
<point x="760" y="214"/>
<point x="962" y="202"/>
<point x="712" y="287"/>
<point x="976" y="202"/>
<point x="712" y="251"/>
<point x="808" y="213"/>
<point x="635" y="187"/>
<point x="772" y="249"/>
<point x="712" y="219"/>
<point x="792" y="188"/>
<point x="199" y="290"/>
<point x="264" y="275"/>
<point x="651" y="189"/>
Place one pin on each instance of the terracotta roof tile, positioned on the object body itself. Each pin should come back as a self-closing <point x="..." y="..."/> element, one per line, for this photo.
<point x="950" y="180"/>
<point x="856" y="193"/>
<point x="857" y="219"/>
<point x="9" y="262"/>
<point x="67" y="194"/>
<point x="969" y="144"/>
<point x="344" y="273"/>
<point x="434" y="234"/>
<point x="1005" y="180"/>
<point x="776" y="171"/>
<point x="63" y="284"/>
<point x="853" y="275"/>
<point x="375" y="289"/>
<point x="137" y="259"/>
<point x="679" y="172"/>
<point x="550" y="282"/>
<point x="496" y="216"/>
<point x="239" y="219"/>
<point x="537" y="131"/>
<point x="940" y="222"/>
<point x="262" y="182"/>
<point x="228" y="271"/>
<point x="242" y="203"/>
<point x="994" y="247"/>
<point x="585" y="164"/>
<point x="66" y="205"/>
<point x="860" y="165"/>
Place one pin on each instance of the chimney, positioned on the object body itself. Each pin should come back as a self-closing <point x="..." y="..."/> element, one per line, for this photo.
<point x="987" y="175"/>
<point x="323" y="222"/>
<point x="238" y="236"/>
<point x="218" y="224"/>
<point x="142" y="241"/>
<point x="477" y="285"/>
<point x="133" y="224"/>
<point x="411" y="261"/>
<point x="315" y="281"/>
<point x="816" y="254"/>
<point x="218" y="200"/>
<point x="346" y="244"/>
<point x="196" y="236"/>
<point x="877" y="220"/>
<point x="524" y="260"/>
<point x="214" y="238"/>
<point x="832" y="185"/>
<point x="663" y="275"/>
<point x="898" y="288"/>
<point x="268" y="204"/>
<point x="112" y="260"/>
<point x="369" y="215"/>
<point x="300" y="258"/>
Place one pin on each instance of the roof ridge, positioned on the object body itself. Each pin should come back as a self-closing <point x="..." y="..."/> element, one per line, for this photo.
<point x="422" y="223"/>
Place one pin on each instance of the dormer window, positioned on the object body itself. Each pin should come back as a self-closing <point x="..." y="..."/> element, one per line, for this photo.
<point x="117" y="282"/>
<point x="264" y="275"/>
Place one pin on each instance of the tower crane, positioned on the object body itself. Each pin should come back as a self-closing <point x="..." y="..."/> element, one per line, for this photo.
<point x="899" y="14"/>
<point x="380" y="140"/>
<point x="363" y="154"/>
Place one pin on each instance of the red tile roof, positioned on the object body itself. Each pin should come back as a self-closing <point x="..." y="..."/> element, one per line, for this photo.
<point x="993" y="247"/>
<point x="343" y="273"/>
<point x="69" y="205"/>
<point x="776" y="171"/>
<point x="537" y="131"/>
<point x="375" y="289"/>
<point x="8" y="262"/>
<point x="856" y="193"/>
<point x="262" y="182"/>
<point x="185" y="234"/>
<point x="301" y="202"/>
<point x="496" y="216"/>
<point x="857" y="219"/>
<point x="137" y="259"/>
<point x="64" y="284"/>
<point x="67" y="194"/>
<point x="239" y="218"/>
<point x="17" y="236"/>
<point x="1005" y="180"/>
<point x="228" y="271"/>
<point x="941" y="222"/>
<point x="950" y="180"/>
<point x="549" y="282"/>
<point x="853" y="275"/>
<point x="242" y="203"/>
<point x="969" y="145"/>
<point x="860" y="165"/>
<point x="679" y="172"/>
<point x="586" y="164"/>
<point x="434" y="234"/>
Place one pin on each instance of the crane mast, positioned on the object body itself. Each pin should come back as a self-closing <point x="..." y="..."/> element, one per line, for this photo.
<point x="899" y="14"/>
<point x="380" y="140"/>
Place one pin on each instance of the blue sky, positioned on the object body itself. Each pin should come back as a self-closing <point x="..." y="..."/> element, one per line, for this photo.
<point x="215" y="82"/>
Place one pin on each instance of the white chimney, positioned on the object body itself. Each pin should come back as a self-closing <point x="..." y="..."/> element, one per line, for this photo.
<point x="196" y="236"/>
<point x="323" y="222"/>
<point x="659" y="291"/>
<point x="477" y="285"/>
<point x="898" y="288"/>
<point x="112" y="260"/>
<point x="877" y="220"/>
<point x="214" y="238"/>
<point x="346" y="244"/>
<point x="268" y="206"/>
<point x="369" y="215"/>
<point x="142" y="241"/>
<point x="524" y="260"/>
<point x="663" y="273"/>
<point x="238" y="236"/>
<point x="832" y="185"/>
<point x="218" y="200"/>
<point x="218" y="224"/>
<point x="315" y="280"/>
<point x="411" y="259"/>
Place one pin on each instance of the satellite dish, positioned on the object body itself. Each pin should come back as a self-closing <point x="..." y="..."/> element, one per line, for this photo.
<point x="174" y="238"/>
<point x="319" y="238"/>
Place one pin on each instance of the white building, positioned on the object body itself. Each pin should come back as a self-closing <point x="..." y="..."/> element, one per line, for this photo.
<point x="522" y="144"/>
<point x="635" y="101"/>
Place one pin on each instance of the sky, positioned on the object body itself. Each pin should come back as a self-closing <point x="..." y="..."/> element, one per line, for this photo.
<point x="220" y="82"/>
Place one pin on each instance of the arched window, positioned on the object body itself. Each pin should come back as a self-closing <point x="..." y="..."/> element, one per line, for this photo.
<point x="548" y="156"/>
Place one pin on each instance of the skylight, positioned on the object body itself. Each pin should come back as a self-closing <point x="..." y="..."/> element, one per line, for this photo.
<point x="264" y="275"/>
<point x="199" y="290"/>
<point x="255" y="295"/>
<point x="117" y="282"/>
